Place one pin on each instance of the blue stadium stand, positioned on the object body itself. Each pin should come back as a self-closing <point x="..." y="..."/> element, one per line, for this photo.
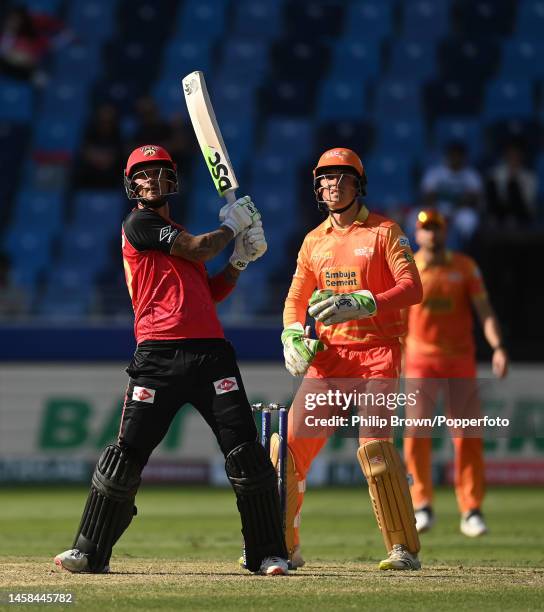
<point x="399" y="98"/>
<point x="413" y="57"/>
<point x="425" y="20"/>
<point x="260" y="18"/>
<point x="49" y="7"/>
<point x="389" y="181"/>
<point x="181" y="57"/>
<point x="289" y="97"/>
<point x="101" y="211"/>
<point x="466" y="130"/>
<point x="492" y="17"/>
<point x="522" y="59"/>
<point x="369" y="18"/>
<point x="453" y="97"/>
<point x="530" y="20"/>
<point x="295" y="135"/>
<point x="356" y="59"/>
<point x="55" y="134"/>
<point x="93" y="20"/>
<point x="201" y="20"/>
<point x="29" y="249"/>
<point x="465" y="58"/>
<point x="16" y="100"/>
<point x="244" y="61"/>
<point x="397" y="137"/>
<point x="353" y="134"/>
<point x="41" y="211"/>
<point x="341" y="99"/>
<point x="507" y="98"/>
<point x="322" y="20"/>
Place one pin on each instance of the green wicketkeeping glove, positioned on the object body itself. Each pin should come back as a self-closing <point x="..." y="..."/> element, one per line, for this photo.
<point x="329" y="307"/>
<point x="299" y="350"/>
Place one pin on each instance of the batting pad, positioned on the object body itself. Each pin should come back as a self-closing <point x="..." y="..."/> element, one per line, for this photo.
<point x="291" y="501"/>
<point x="389" y="492"/>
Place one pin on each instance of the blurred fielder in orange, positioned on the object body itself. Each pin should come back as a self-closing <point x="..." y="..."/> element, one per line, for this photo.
<point x="357" y="271"/>
<point x="440" y="345"/>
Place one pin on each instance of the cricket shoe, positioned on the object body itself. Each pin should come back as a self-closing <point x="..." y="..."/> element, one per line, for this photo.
<point x="296" y="561"/>
<point x="473" y="524"/>
<point x="424" y="519"/>
<point x="274" y="566"/>
<point x="77" y="562"/>
<point x="400" y="559"/>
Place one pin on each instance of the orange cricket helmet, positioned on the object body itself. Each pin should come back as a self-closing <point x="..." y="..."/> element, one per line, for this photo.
<point x="340" y="157"/>
<point x="430" y="216"/>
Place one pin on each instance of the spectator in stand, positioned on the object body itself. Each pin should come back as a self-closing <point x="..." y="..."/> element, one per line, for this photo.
<point x="455" y="189"/>
<point x="181" y="141"/>
<point x="25" y="40"/>
<point x="511" y="189"/>
<point x="13" y="300"/>
<point x="150" y="126"/>
<point x="102" y="151"/>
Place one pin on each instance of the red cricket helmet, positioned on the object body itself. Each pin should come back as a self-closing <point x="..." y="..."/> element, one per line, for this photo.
<point x="145" y="155"/>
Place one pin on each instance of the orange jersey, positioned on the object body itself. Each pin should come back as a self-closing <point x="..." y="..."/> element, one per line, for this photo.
<point x="371" y="254"/>
<point x="441" y="325"/>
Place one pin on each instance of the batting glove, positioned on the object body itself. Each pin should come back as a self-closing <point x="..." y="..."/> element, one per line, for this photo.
<point x="239" y="215"/>
<point x="329" y="308"/>
<point x="249" y="245"/>
<point x="299" y="350"/>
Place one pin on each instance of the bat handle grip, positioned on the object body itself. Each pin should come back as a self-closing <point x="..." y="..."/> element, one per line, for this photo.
<point x="230" y="196"/>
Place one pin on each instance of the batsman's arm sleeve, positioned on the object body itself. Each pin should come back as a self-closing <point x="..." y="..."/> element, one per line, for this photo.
<point x="148" y="231"/>
<point x="302" y="286"/>
<point x="222" y="284"/>
<point x="400" y="260"/>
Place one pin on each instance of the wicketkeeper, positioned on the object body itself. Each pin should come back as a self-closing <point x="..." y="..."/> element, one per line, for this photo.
<point x="181" y="357"/>
<point x="357" y="272"/>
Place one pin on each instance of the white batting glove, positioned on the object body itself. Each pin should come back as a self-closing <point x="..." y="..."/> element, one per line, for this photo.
<point x="249" y="245"/>
<point x="239" y="215"/>
<point x="298" y="350"/>
<point x="329" y="308"/>
<point x="254" y="241"/>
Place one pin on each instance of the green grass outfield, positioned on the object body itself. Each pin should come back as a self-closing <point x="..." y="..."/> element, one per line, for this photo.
<point x="182" y="548"/>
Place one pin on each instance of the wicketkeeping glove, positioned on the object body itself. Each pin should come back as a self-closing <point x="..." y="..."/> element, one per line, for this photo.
<point x="249" y="245"/>
<point x="329" y="308"/>
<point x="239" y="215"/>
<point x="299" y="350"/>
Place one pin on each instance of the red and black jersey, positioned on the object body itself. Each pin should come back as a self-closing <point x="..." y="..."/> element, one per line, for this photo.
<point x="170" y="295"/>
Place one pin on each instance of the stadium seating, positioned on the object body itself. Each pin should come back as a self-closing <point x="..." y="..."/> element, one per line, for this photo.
<point x="396" y="80"/>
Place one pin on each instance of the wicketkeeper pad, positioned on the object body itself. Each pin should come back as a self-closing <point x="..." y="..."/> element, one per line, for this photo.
<point x="110" y="505"/>
<point x="389" y="492"/>
<point x="291" y="501"/>
<point x="254" y="481"/>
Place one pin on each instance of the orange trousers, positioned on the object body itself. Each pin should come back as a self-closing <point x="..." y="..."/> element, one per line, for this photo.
<point x="468" y="451"/>
<point x="341" y="362"/>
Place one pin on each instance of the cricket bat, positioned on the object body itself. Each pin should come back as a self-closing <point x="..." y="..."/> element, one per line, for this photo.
<point x="209" y="135"/>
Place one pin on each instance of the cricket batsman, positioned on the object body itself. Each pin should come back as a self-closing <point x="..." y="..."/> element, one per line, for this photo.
<point x="181" y="357"/>
<point x="359" y="325"/>
<point x="440" y="345"/>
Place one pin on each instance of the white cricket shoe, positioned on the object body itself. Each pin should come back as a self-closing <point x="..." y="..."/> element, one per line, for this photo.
<point x="424" y="519"/>
<point x="75" y="561"/>
<point x="274" y="566"/>
<point x="400" y="559"/>
<point x="296" y="561"/>
<point x="473" y="524"/>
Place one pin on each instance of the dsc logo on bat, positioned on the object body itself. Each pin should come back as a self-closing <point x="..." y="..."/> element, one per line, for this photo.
<point x="219" y="170"/>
